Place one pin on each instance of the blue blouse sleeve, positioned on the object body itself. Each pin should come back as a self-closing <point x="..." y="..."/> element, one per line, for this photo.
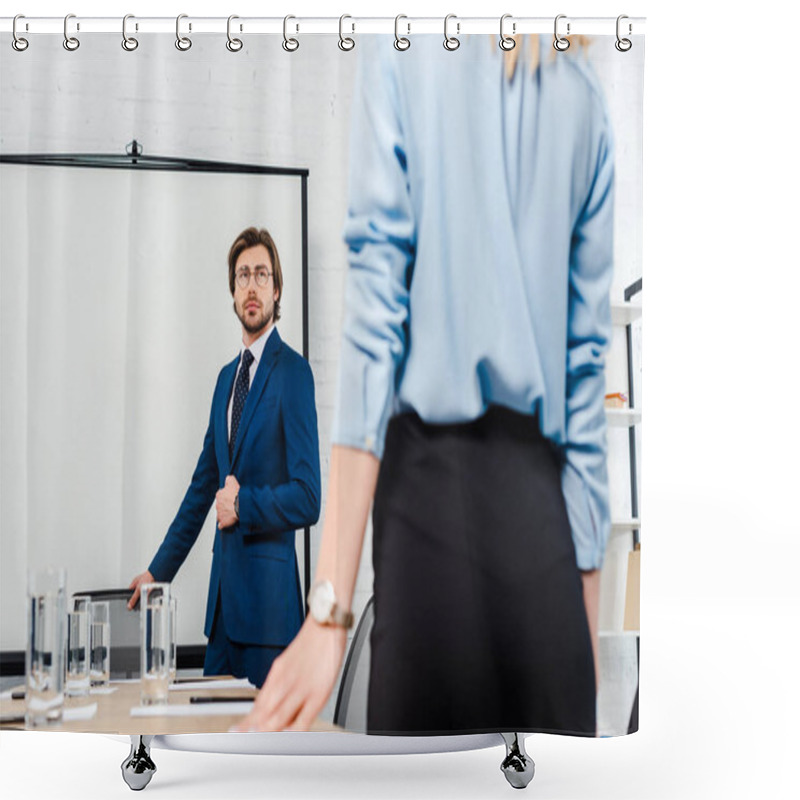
<point x="585" y="476"/>
<point x="380" y="233"/>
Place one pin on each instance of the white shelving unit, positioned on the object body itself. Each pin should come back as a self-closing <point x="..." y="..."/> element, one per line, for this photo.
<point x="625" y="313"/>
<point x="619" y="647"/>
<point x="631" y="524"/>
<point x="623" y="417"/>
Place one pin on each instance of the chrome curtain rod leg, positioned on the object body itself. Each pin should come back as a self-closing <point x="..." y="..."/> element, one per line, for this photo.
<point x="138" y="768"/>
<point x="517" y="766"/>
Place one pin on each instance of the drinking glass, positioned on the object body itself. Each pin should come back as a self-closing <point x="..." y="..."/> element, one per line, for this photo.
<point x="155" y="642"/>
<point x="78" y="646"/>
<point x="44" y="651"/>
<point x="173" y="638"/>
<point x="100" y="640"/>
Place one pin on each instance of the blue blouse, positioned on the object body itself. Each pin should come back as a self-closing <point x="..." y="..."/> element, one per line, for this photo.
<point x="479" y="228"/>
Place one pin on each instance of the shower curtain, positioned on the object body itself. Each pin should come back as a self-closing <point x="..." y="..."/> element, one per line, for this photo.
<point x="459" y="231"/>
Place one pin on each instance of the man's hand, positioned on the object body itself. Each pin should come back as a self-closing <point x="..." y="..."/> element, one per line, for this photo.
<point x="136" y="583"/>
<point x="226" y="516"/>
<point x="300" y="681"/>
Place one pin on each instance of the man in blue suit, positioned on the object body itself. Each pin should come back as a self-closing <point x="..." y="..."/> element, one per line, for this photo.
<point x="260" y="468"/>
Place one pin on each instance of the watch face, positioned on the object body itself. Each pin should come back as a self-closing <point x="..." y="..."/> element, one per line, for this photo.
<point x="321" y="601"/>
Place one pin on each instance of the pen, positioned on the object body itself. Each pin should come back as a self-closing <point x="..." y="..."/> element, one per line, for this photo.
<point x="221" y="699"/>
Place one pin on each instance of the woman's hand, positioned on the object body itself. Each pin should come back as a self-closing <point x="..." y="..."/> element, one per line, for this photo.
<point x="302" y="677"/>
<point x="300" y="681"/>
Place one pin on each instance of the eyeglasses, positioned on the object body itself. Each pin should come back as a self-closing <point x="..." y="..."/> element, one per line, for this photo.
<point x="262" y="277"/>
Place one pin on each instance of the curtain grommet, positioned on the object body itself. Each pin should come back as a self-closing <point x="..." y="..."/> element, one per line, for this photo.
<point x="289" y="44"/>
<point x="19" y="43"/>
<point x="401" y="43"/>
<point x="233" y="44"/>
<point x="622" y="44"/>
<point x="129" y="43"/>
<point x="346" y="43"/>
<point x="451" y="43"/>
<point x="560" y="43"/>
<point x="71" y="43"/>
<point x="183" y="43"/>
<point x="507" y="42"/>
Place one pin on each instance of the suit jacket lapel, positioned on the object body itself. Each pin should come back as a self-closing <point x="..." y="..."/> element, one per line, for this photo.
<point x="221" y="418"/>
<point x="265" y="367"/>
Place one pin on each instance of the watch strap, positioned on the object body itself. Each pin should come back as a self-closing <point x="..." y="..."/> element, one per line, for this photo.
<point x="341" y="618"/>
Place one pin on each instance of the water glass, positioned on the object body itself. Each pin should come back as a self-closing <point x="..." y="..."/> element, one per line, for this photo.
<point x="173" y="638"/>
<point x="44" y="651"/>
<point x="100" y="641"/>
<point x="78" y="647"/>
<point x="154" y="622"/>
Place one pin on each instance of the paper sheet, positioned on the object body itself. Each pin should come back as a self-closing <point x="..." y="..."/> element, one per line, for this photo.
<point x="75" y="714"/>
<point x="232" y="683"/>
<point x="193" y="710"/>
<point x="80" y="712"/>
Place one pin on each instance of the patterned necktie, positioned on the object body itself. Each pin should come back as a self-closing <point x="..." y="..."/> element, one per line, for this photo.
<point x="239" y="396"/>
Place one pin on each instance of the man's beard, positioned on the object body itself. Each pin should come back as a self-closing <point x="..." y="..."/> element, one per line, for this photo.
<point x="254" y="325"/>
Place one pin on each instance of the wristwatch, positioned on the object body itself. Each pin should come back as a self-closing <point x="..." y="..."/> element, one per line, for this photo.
<point x="324" y="608"/>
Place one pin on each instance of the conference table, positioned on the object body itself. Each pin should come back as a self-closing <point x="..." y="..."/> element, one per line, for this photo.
<point x="113" y="714"/>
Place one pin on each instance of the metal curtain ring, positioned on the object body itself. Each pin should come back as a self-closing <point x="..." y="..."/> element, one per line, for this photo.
<point x="18" y="43"/>
<point x="400" y="42"/>
<point x="345" y="42"/>
<point x="623" y="45"/>
<point x="507" y="42"/>
<point x="233" y="44"/>
<point x="559" y="42"/>
<point x="289" y="44"/>
<point x="70" y="42"/>
<point x="128" y="42"/>
<point x="183" y="43"/>
<point x="451" y="42"/>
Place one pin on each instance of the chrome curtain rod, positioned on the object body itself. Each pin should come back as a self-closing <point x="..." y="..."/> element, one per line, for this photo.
<point x="299" y="25"/>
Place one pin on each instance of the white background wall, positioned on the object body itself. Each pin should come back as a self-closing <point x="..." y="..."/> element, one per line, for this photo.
<point x="720" y="600"/>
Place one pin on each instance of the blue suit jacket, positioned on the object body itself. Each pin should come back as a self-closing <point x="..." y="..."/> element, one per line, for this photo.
<point x="276" y="461"/>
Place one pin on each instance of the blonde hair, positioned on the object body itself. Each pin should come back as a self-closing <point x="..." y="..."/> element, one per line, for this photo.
<point x="510" y="57"/>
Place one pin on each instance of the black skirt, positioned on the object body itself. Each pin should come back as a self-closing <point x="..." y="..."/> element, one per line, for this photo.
<point x="480" y="624"/>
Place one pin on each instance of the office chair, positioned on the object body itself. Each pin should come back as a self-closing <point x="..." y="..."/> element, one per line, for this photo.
<point x="351" y="703"/>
